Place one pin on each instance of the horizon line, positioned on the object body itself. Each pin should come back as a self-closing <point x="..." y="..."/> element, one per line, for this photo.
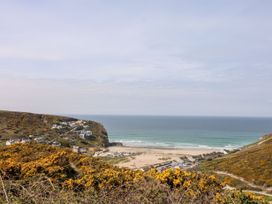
<point x="135" y="115"/>
<point x="151" y="115"/>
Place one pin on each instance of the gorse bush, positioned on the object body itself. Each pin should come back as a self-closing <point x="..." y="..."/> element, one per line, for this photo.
<point x="36" y="173"/>
<point x="253" y="163"/>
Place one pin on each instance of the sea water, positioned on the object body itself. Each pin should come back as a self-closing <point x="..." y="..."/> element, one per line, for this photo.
<point x="183" y="132"/>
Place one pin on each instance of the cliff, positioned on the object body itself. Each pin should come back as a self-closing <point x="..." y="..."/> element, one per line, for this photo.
<point x="51" y="129"/>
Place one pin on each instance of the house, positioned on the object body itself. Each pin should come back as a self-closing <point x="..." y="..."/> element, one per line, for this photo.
<point x="72" y="124"/>
<point x="164" y="166"/>
<point x="12" y="141"/>
<point x="79" y="122"/>
<point x="85" y="134"/>
<point x="56" y="126"/>
<point x="171" y="164"/>
<point x="75" y="149"/>
<point x="40" y="139"/>
<point x="78" y="149"/>
<point x="82" y="150"/>
<point x="56" y="144"/>
<point x="25" y="140"/>
<point x="86" y="126"/>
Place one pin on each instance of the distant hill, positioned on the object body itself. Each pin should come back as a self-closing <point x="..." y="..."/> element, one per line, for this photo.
<point x="49" y="128"/>
<point x="252" y="163"/>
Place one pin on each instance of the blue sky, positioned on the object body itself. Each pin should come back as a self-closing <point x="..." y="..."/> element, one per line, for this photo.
<point x="137" y="57"/>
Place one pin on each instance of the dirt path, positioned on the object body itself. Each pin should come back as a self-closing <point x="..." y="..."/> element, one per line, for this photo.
<point x="247" y="182"/>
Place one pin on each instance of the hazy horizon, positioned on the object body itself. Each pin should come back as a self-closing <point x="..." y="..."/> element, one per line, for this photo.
<point x="174" y="58"/>
<point x="140" y="115"/>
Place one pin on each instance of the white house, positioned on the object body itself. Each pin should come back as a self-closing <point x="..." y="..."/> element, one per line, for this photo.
<point x="40" y="139"/>
<point x="12" y="141"/>
<point x="79" y="122"/>
<point x="85" y="134"/>
<point x="25" y="140"/>
<point x="86" y="126"/>
<point x="82" y="150"/>
<point x="78" y="149"/>
<point x="72" y="124"/>
<point x="75" y="149"/>
<point x="56" y="144"/>
<point x="64" y="123"/>
<point x="56" y="126"/>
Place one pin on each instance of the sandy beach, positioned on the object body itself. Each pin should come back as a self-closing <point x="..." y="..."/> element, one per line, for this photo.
<point x="150" y="156"/>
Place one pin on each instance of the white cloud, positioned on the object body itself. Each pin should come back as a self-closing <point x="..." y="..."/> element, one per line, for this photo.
<point x="26" y="53"/>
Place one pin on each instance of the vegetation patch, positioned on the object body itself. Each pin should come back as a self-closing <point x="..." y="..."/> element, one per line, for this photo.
<point x="39" y="173"/>
<point x="253" y="163"/>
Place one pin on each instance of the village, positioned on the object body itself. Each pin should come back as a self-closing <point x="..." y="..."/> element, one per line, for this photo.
<point x="78" y="127"/>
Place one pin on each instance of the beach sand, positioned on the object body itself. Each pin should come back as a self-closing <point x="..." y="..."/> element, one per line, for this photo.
<point x="150" y="156"/>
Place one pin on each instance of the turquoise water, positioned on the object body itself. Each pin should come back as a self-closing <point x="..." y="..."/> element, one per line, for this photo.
<point x="164" y="131"/>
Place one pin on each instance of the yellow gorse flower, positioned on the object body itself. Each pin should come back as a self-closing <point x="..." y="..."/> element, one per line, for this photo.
<point x="74" y="171"/>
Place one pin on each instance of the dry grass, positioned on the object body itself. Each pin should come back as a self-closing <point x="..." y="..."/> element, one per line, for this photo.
<point x="253" y="163"/>
<point x="42" y="191"/>
<point x="35" y="173"/>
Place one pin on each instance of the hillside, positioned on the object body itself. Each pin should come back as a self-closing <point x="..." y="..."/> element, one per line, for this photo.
<point x="40" y="173"/>
<point x="252" y="163"/>
<point x="51" y="129"/>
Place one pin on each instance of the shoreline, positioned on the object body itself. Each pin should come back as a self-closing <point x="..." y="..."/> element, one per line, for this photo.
<point x="147" y="156"/>
<point x="180" y="146"/>
<point x="167" y="149"/>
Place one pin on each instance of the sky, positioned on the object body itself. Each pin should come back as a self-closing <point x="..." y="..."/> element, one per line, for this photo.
<point x="144" y="57"/>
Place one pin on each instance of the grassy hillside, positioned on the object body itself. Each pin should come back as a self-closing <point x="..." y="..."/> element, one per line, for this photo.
<point x="38" y="173"/>
<point x="253" y="163"/>
<point x="20" y="125"/>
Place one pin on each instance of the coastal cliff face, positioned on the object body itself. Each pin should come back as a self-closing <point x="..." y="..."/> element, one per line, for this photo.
<point x="48" y="128"/>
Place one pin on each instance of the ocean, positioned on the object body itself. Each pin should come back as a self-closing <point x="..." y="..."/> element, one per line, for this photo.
<point x="183" y="132"/>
